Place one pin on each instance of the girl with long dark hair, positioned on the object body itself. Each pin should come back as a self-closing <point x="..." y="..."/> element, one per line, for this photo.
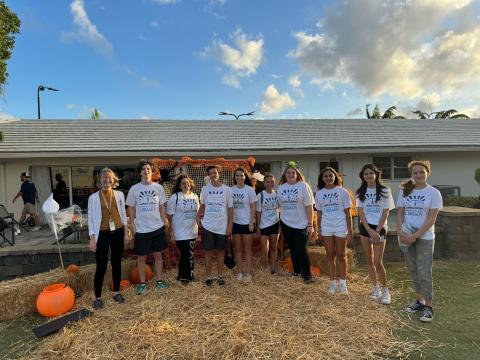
<point x="374" y="202"/>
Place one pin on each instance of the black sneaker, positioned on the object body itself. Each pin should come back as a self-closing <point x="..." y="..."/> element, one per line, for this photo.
<point x="308" y="280"/>
<point x="220" y="281"/>
<point x="209" y="281"/>
<point x="97" y="304"/>
<point x="427" y="314"/>
<point x="414" y="307"/>
<point x="119" y="298"/>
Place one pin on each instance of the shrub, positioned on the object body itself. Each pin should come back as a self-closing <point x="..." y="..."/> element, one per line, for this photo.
<point x="463" y="201"/>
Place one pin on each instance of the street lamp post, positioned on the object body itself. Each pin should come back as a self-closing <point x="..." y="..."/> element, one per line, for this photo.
<point x="236" y="116"/>
<point x="42" y="88"/>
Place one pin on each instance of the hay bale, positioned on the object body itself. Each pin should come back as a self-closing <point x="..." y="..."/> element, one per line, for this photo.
<point x="18" y="296"/>
<point x="272" y="317"/>
<point x="318" y="257"/>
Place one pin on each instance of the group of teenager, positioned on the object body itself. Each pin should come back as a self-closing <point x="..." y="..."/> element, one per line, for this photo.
<point x="223" y="214"/>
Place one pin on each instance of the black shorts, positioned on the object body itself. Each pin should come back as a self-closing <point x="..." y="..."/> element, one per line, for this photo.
<point x="213" y="241"/>
<point x="241" y="229"/>
<point x="271" y="230"/>
<point x="147" y="243"/>
<point x="364" y="231"/>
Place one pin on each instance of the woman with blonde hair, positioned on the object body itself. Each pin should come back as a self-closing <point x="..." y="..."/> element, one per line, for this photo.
<point x="107" y="228"/>
<point x="296" y="218"/>
<point x="418" y="205"/>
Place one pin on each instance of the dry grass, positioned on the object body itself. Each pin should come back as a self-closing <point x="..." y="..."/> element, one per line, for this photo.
<point x="273" y="317"/>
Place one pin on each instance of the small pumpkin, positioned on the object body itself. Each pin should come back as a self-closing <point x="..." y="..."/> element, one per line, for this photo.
<point x="135" y="279"/>
<point x="124" y="284"/>
<point x="72" y="268"/>
<point x="315" y="271"/>
<point x="287" y="264"/>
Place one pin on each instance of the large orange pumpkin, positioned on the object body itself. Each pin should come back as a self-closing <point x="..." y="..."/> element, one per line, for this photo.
<point x="135" y="279"/>
<point x="287" y="264"/>
<point x="72" y="268"/>
<point x="55" y="300"/>
<point x="315" y="271"/>
<point x="124" y="284"/>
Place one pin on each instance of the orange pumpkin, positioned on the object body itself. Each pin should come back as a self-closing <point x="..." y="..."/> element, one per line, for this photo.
<point x="287" y="264"/>
<point x="124" y="284"/>
<point x="315" y="271"/>
<point x="55" y="300"/>
<point x="72" y="268"/>
<point x="135" y="279"/>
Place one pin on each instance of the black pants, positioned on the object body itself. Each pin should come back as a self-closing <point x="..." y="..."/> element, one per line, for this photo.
<point x="114" y="241"/>
<point x="185" y="266"/>
<point x="297" y="243"/>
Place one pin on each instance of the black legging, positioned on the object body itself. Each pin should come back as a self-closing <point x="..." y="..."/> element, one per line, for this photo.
<point x="114" y="241"/>
<point x="297" y="243"/>
<point x="185" y="266"/>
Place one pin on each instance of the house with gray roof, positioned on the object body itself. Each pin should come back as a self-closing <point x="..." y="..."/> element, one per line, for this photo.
<point x="76" y="149"/>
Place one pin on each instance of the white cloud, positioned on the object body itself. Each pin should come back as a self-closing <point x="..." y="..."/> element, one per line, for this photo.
<point x="71" y="106"/>
<point x="405" y="48"/>
<point x="355" y="113"/>
<point x="147" y="82"/>
<point x="294" y="81"/>
<point x="144" y="116"/>
<point x="274" y="102"/>
<point x="4" y="117"/>
<point x="242" y="59"/>
<point x="86" y="31"/>
<point x="165" y="2"/>
<point x="231" y="80"/>
<point x="428" y="103"/>
<point x="154" y="24"/>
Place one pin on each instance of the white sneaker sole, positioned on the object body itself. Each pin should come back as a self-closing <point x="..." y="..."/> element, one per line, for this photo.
<point x="424" y="319"/>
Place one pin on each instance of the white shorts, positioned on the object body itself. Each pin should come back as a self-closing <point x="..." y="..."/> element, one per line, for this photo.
<point x="340" y="234"/>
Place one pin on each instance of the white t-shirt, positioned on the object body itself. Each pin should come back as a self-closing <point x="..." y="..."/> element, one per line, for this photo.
<point x="332" y="203"/>
<point x="373" y="209"/>
<point x="184" y="208"/>
<point x="217" y="201"/>
<point x="293" y="199"/>
<point x="147" y="200"/>
<point x="242" y="198"/>
<point x="269" y="208"/>
<point x="417" y="205"/>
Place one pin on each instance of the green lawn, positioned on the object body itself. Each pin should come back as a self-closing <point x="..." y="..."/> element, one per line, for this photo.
<point x="455" y="330"/>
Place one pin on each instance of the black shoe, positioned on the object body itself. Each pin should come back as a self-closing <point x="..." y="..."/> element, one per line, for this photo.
<point x="97" y="304"/>
<point x="220" y="281"/>
<point x="308" y="280"/>
<point x="427" y="314"/>
<point x="209" y="282"/>
<point x="184" y="281"/>
<point x="414" y="307"/>
<point x="119" y="298"/>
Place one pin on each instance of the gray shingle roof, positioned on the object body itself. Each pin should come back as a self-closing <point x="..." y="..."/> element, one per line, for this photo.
<point x="190" y="136"/>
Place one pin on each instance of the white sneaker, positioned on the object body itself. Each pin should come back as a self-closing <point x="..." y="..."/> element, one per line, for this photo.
<point x="386" y="298"/>
<point x="343" y="289"/>
<point x="239" y="276"/>
<point x="375" y="293"/>
<point x="332" y="289"/>
<point x="247" y="277"/>
<point x="36" y="228"/>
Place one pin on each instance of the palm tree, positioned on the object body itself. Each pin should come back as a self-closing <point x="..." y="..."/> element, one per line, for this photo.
<point x="388" y="114"/>
<point x="95" y="114"/>
<point x="444" y="114"/>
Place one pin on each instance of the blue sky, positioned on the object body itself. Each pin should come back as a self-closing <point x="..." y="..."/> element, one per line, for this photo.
<point x="190" y="59"/>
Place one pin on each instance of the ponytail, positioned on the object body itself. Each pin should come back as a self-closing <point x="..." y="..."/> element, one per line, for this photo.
<point x="407" y="187"/>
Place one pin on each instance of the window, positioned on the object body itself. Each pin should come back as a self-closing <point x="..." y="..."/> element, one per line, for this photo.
<point x="393" y="167"/>
<point x="333" y="163"/>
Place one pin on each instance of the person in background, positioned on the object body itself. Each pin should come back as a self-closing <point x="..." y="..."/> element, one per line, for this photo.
<point x="60" y="193"/>
<point x="29" y="195"/>
<point x="418" y="205"/>
<point x="107" y="228"/>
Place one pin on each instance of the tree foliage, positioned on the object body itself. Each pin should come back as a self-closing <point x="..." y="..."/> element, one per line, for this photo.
<point x="443" y="114"/>
<point x="9" y="26"/>
<point x="95" y="114"/>
<point x="390" y="113"/>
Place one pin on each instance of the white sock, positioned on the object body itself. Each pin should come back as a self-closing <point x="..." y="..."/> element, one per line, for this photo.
<point x="333" y="283"/>
<point x="343" y="282"/>
<point x="422" y="302"/>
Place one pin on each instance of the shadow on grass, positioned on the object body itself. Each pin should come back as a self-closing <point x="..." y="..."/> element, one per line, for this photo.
<point x="16" y="337"/>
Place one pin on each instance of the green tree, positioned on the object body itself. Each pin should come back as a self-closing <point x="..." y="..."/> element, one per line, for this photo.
<point x="9" y="26"/>
<point x="443" y="114"/>
<point x="95" y="114"/>
<point x="388" y="114"/>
